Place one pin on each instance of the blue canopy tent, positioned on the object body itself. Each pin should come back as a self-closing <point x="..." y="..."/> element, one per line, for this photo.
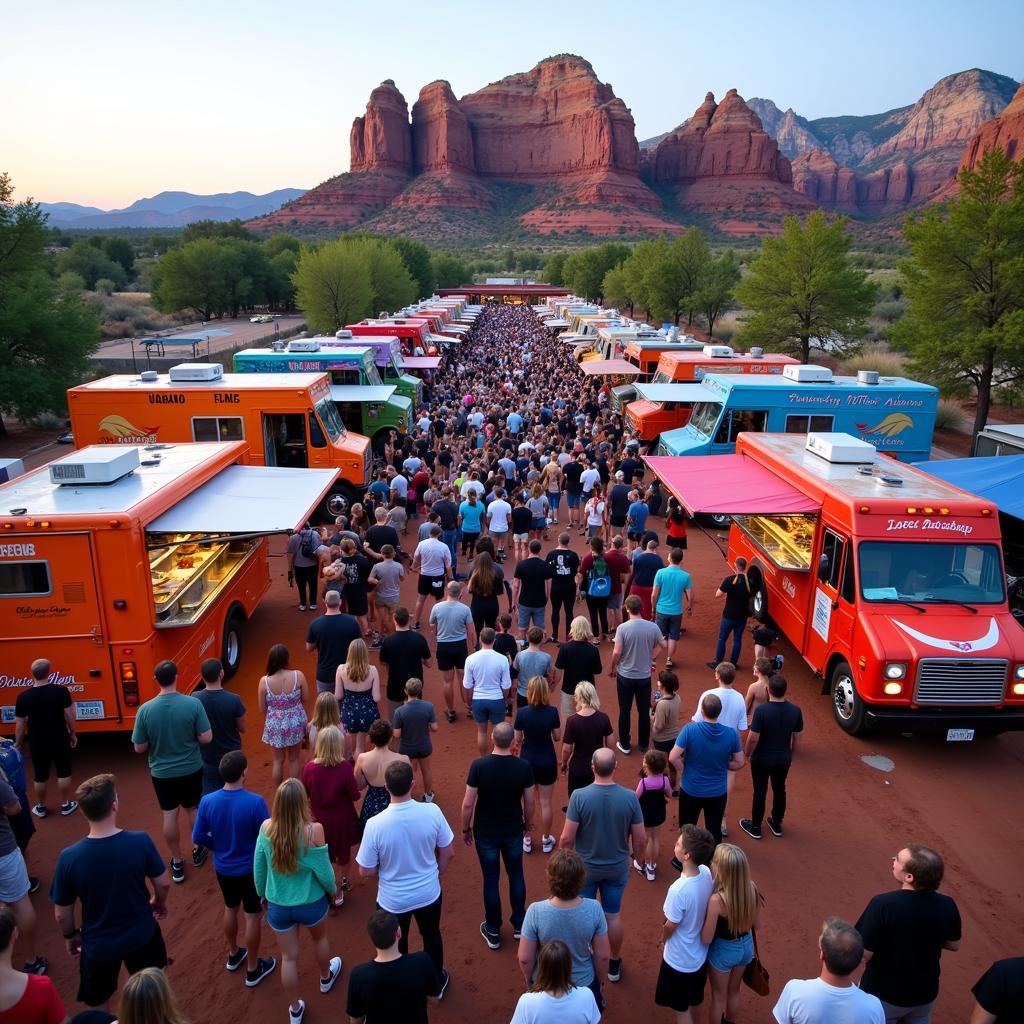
<point x="999" y="479"/>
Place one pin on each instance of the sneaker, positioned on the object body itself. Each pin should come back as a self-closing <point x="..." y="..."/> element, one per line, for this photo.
<point x="551" y="640"/>
<point x="750" y="828"/>
<point x="527" y="844"/>
<point x="493" y="941"/>
<point x="375" y="646"/>
<point x="445" y="978"/>
<point x="615" y="969"/>
<point x="508" y="710"/>
<point x="469" y="712"/>
<point x="775" y="827"/>
<point x="637" y="866"/>
<point x="69" y="808"/>
<point x="302" y="608"/>
<point x="649" y="872"/>
<point x="548" y="844"/>
<point x="40" y="811"/>
<point x="417" y="625"/>
<point x="265" y="966"/>
<point x="669" y="663"/>
<point x="712" y="664"/>
<point x="296" y="1017"/>
<point x="451" y="716"/>
<point x="335" y="967"/>
<point x="517" y="933"/>
<point x="199" y="855"/>
<point x="236" y="959"/>
<point x="37" y="966"/>
<point x="724" y="830"/>
<point x="33" y="884"/>
<point x="178" y="871"/>
<point x="428" y="798"/>
<point x="622" y="749"/>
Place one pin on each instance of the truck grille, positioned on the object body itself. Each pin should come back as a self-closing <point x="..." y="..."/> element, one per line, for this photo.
<point x="961" y="681"/>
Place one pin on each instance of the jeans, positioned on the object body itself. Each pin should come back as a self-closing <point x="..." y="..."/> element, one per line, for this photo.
<point x="598" y="608"/>
<point x="491" y="852"/>
<point x="690" y="808"/>
<point x="451" y="538"/>
<point x="562" y="601"/>
<point x="630" y="690"/>
<point x="907" y="1014"/>
<point x="428" y="920"/>
<point x="761" y="775"/>
<point x="727" y="626"/>
<point x="305" y="583"/>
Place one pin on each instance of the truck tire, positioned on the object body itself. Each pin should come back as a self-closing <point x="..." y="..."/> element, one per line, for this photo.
<point x="338" y="502"/>
<point x="758" y="595"/>
<point x="848" y="709"/>
<point x="231" y="643"/>
<point x="716" y="520"/>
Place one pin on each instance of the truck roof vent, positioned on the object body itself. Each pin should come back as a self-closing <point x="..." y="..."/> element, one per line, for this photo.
<point x="807" y="373"/>
<point x="718" y="351"/>
<point x="840" y="449"/>
<point x="343" y="333"/>
<point x="149" y="376"/>
<point x="96" y="465"/>
<point x="756" y="353"/>
<point x="191" y="373"/>
<point x="304" y="345"/>
<point x="867" y="376"/>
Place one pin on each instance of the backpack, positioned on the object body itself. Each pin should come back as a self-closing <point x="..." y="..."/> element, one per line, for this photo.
<point x="307" y="545"/>
<point x="599" y="582"/>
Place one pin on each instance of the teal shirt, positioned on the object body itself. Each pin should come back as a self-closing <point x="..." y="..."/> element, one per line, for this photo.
<point x="471" y="516"/>
<point x="673" y="583"/>
<point x="314" y="878"/>
<point x="171" y="723"/>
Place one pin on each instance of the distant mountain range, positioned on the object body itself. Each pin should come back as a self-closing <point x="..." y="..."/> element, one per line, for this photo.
<point x="170" y="210"/>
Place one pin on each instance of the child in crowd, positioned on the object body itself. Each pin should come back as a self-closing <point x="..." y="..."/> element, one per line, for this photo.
<point x="415" y="720"/>
<point x="665" y="708"/>
<point x="505" y="643"/>
<point x="652" y="791"/>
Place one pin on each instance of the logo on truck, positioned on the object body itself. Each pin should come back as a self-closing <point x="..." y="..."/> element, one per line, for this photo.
<point x="122" y="431"/>
<point x="983" y="643"/>
<point x="893" y="424"/>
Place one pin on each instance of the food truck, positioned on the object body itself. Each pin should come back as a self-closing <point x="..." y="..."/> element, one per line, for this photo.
<point x="350" y="363"/>
<point x="683" y="367"/>
<point x="115" y="558"/>
<point x="888" y="581"/>
<point x="286" y="419"/>
<point x="894" y="414"/>
<point x="387" y="356"/>
<point x="999" y="439"/>
<point x="662" y="407"/>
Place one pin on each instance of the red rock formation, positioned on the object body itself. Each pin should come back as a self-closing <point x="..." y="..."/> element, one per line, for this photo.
<point x="441" y="136"/>
<point x="817" y="176"/>
<point x="381" y="139"/>
<point x="1005" y="131"/>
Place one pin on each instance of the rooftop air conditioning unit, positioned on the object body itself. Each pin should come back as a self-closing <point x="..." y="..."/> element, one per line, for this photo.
<point x="807" y="373"/>
<point x="343" y="333"/>
<point x="718" y="351"/>
<point x="149" y="376"/>
<point x="867" y="376"/>
<point x="193" y="373"/>
<point x="97" y="465"/>
<point x="756" y="353"/>
<point x="840" y="448"/>
<point x="304" y="345"/>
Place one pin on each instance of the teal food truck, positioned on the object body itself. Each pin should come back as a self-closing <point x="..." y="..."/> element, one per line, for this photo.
<point x="387" y="356"/>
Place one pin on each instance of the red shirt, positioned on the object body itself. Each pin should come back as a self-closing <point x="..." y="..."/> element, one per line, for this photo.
<point x="39" y="1004"/>
<point x="617" y="565"/>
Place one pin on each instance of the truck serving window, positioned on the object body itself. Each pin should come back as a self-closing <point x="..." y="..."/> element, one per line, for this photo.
<point x="328" y="416"/>
<point x="809" y="424"/>
<point x="25" y="579"/>
<point x="705" y="416"/>
<point x="932" y="572"/>
<point x="738" y="420"/>
<point x="217" y="428"/>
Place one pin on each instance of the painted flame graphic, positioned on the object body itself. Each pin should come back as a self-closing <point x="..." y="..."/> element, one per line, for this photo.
<point x="893" y="424"/>
<point x="118" y="426"/>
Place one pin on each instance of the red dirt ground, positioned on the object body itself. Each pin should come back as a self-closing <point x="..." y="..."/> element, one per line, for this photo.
<point x="846" y="820"/>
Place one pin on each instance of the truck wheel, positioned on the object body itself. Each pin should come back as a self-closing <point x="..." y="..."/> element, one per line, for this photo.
<point x="759" y="595"/>
<point x="338" y="502"/>
<point x="847" y="707"/>
<point x="717" y="520"/>
<point x="231" y="644"/>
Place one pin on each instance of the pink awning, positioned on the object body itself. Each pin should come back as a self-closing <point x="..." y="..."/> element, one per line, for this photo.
<point x="421" y="362"/>
<point x="615" y="367"/>
<point x="728" y="485"/>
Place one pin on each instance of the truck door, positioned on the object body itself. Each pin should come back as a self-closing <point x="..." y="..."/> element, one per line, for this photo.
<point x="284" y="437"/>
<point x="831" y="615"/>
<point x="734" y="422"/>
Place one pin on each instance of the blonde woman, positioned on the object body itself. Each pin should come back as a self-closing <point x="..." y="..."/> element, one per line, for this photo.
<point x="357" y="689"/>
<point x="147" y="999"/>
<point x="538" y="728"/>
<point x="586" y="731"/>
<point x="325" y="713"/>
<point x="731" y="915"/>
<point x="293" y="873"/>
<point x="578" y="659"/>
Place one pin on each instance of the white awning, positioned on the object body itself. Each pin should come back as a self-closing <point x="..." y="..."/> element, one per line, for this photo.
<point x="248" y="499"/>
<point x="362" y="392"/>
<point x="681" y="392"/>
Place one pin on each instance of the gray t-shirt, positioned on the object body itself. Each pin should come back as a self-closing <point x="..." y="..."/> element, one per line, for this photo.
<point x="638" y="639"/>
<point x="575" y="926"/>
<point x="604" y="815"/>
<point x="529" y="664"/>
<point x="390" y="574"/>
<point x="414" y="719"/>
<point x="451" y="618"/>
<point x="295" y="548"/>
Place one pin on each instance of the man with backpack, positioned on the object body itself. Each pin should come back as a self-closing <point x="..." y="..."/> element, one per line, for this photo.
<point x="595" y="582"/>
<point x="302" y="565"/>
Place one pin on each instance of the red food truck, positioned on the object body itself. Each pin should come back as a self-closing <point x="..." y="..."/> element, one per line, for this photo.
<point x="889" y="582"/>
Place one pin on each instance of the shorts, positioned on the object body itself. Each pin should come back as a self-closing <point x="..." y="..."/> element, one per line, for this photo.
<point x="665" y="746"/>
<point x="611" y="890"/>
<point x="670" y="625"/>
<point x="593" y="531"/>
<point x="240" y="890"/>
<point x="615" y="601"/>
<point x="179" y="791"/>
<point x="417" y="753"/>
<point x="528" y="613"/>
<point x="676" y="542"/>
<point x="386" y="602"/>
<point x="554" y="499"/>
<point x="573" y="500"/>
<point x="452" y="654"/>
<point x="545" y="774"/>
<point x="97" y="979"/>
<point x="618" y="522"/>
<point x="356" y="602"/>
<point x="540" y="523"/>
<point x="634" y="536"/>
<point x="14" y="883"/>
<point x="431" y="586"/>
<point x="324" y="687"/>
<point x="284" y="919"/>
<point x="43" y="754"/>
<point x="520" y="538"/>
<point x="679" y="990"/>
<point x="490" y="710"/>
<point x="725" y="954"/>
<point x="499" y="535"/>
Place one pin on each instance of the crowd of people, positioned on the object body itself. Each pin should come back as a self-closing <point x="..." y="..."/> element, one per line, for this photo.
<point x="513" y="459"/>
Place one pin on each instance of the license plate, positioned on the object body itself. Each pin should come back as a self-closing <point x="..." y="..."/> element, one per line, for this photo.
<point x="88" y="709"/>
<point x="959" y="735"/>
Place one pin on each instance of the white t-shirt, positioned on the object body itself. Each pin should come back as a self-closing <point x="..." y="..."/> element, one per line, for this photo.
<point x="400" y="843"/>
<point x="472" y="485"/>
<point x="588" y="478"/>
<point x="399" y="485"/>
<point x="577" y="1006"/>
<point x="685" y="905"/>
<point x="412" y="465"/>
<point x="498" y="513"/>
<point x="434" y="557"/>
<point x="487" y="675"/>
<point x="813" y="1001"/>
<point x="595" y="513"/>
<point x="734" y="708"/>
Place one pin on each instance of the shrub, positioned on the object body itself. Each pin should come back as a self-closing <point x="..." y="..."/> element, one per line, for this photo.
<point x="723" y="333"/>
<point x="49" y="421"/>
<point x="104" y="286"/>
<point x="119" y="311"/>
<point x="875" y="357"/>
<point x="890" y="310"/>
<point x="949" y="415"/>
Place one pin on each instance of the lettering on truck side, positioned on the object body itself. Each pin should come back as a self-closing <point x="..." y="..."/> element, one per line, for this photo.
<point x="942" y="525"/>
<point x="17" y="550"/>
<point x="175" y="399"/>
<point x="223" y="398"/>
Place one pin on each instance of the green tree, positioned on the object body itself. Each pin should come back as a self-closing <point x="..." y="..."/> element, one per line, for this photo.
<point x="121" y="251"/>
<point x="393" y="286"/>
<point x="584" y="269"/>
<point x="279" y="242"/>
<point x="803" y="291"/>
<point x="690" y="257"/>
<point x="280" y="287"/>
<point x="615" y="289"/>
<point x="216" y="229"/>
<point x="654" y="276"/>
<point x="91" y="263"/>
<point x="964" y="326"/>
<point x="554" y="268"/>
<point x="716" y="286"/>
<point x="332" y="286"/>
<point x="416" y="258"/>
<point x="450" y="270"/>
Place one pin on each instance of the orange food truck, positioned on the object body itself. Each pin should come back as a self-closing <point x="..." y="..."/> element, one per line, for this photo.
<point x="287" y="419"/>
<point x="888" y="581"/>
<point x="114" y="558"/>
<point x="645" y="353"/>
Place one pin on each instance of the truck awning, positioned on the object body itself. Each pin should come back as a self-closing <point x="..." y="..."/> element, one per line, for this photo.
<point x="681" y="392"/>
<point x="421" y="362"/>
<point x="728" y="484"/>
<point x="615" y="367"/>
<point x="998" y="478"/>
<point x="248" y="499"/>
<point x="362" y="392"/>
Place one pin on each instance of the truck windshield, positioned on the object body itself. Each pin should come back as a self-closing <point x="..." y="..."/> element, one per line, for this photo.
<point x="935" y="572"/>
<point x="372" y="376"/>
<point x="327" y="413"/>
<point x="661" y="377"/>
<point x="705" y="416"/>
<point x="396" y="369"/>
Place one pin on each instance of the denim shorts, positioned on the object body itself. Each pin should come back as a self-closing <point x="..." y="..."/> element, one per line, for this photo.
<point x="14" y="883"/>
<point x="725" y="954"/>
<point x="540" y="522"/>
<point x="573" y="500"/>
<point x="615" y="601"/>
<point x="536" y="614"/>
<point x="611" y="890"/>
<point x="284" y="919"/>
<point x="490" y="710"/>
<point x="554" y="498"/>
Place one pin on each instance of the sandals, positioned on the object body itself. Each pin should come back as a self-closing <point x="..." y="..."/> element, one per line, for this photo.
<point x="338" y="900"/>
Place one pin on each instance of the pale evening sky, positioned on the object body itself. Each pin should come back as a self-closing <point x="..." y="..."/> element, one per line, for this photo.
<point x="110" y="101"/>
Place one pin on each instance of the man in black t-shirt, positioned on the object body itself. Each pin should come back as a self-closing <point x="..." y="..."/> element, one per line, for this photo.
<point x="226" y="713"/>
<point x="530" y="591"/>
<point x="497" y="816"/>
<point x="380" y="534"/>
<point x="736" y="591"/>
<point x="572" y="471"/>
<point x="999" y="993"/>
<point x="405" y="653"/>
<point x="564" y="565"/>
<point x="329" y="635"/>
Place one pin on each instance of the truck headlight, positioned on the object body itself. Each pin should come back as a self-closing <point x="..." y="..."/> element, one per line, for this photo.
<point x="893" y="689"/>
<point x="1018" y="673"/>
<point x="895" y="670"/>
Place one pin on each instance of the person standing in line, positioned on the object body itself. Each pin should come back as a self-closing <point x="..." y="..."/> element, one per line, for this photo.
<point x="683" y="972"/>
<point x="15" y="884"/>
<point x="757" y="691"/>
<point x="551" y="478"/>
<point x="736" y="591"/>
<point x="499" y="516"/>
<point x="448" y="519"/>
<point x="12" y="769"/>
<point x="636" y="519"/>
<point x="595" y="584"/>
<point x="555" y="997"/>
<point x="228" y="823"/>
<point x="433" y="561"/>
<point x="618" y="502"/>
<point x="586" y="731"/>
<point x="601" y="821"/>
<point x="665" y="708"/>
<point x="414" y="721"/>
<point x="636" y="644"/>
<point x="522" y="520"/>
<point x="471" y="516"/>
<point x="999" y="993"/>
<point x="530" y="590"/>
<point x="771" y="743"/>
<point x="407" y="847"/>
<point x="572" y="472"/>
<point x="531" y="662"/>
<point x="619" y="566"/>
<point x="497" y="813"/>
<point x="832" y="997"/>
<point x="905" y="932"/>
<point x="652" y="791"/>
<point x="564" y="564"/>
<point x="645" y="565"/>
<point x="704" y="753"/>
<point x="673" y="588"/>
<point x="109" y="872"/>
<point x="170" y="729"/>
<point x="406" y="653"/>
<point x="24" y="998"/>
<point x="282" y="699"/>
<point x="486" y="585"/>
<point x="485" y="687"/>
<point x="329" y="635"/>
<point x="388" y="574"/>
<point x="454" y="634"/>
<point x="578" y="660"/>
<point x="357" y="691"/>
<point x="370" y="767"/>
<point x="226" y="714"/>
<point x="391" y="986"/>
<point x="303" y="565"/>
<point x="45" y="710"/>
<point x="538" y="729"/>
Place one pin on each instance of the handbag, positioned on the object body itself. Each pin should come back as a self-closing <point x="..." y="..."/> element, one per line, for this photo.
<point x="755" y="974"/>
